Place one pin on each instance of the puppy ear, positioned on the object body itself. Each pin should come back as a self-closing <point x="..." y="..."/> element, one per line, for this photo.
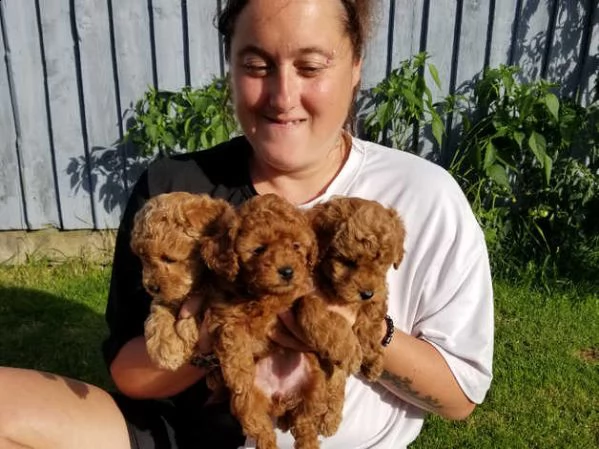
<point x="324" y="220"/>
<point x="199" y="211"/>
<point x="217" y="245"/>
<point x="313" y="254"/>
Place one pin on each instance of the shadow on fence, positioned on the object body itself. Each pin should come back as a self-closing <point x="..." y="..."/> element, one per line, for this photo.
<point x="107" y="173"/>
<point x="561" y="52"/>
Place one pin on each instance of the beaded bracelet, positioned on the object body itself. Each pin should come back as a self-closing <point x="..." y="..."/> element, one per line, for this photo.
<point x="390" y="329"/>
<point x="206" y="361"/>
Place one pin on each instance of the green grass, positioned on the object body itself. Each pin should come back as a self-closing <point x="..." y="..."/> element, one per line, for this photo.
<point x="545" y="393"/>
<point x="52" y="318"/>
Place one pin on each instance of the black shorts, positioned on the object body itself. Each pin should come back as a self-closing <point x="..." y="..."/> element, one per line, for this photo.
<point x="156" y="424"/>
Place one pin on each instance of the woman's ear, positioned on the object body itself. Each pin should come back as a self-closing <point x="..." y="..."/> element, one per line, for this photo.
<point x="356" y="73"/>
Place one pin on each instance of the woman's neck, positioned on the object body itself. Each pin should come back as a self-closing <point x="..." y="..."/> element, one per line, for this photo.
<point x="302" y="186"/>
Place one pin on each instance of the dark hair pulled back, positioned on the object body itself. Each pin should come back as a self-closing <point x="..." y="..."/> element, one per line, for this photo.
<point x="358" y="14"/>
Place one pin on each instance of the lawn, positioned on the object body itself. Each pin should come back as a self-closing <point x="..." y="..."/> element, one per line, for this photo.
<point x="545" y="393"/>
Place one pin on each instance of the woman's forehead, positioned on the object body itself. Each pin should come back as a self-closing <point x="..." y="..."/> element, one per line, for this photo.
<point x="290" y="26"/>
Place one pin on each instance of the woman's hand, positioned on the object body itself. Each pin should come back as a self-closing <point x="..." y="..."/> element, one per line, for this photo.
<point x="189" y="310"/>
<point x="290" y="335"/>
<point x="287" y="333"/>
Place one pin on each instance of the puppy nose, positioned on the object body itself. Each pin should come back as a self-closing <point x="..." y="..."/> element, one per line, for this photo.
<point x="366" y="294"/>
<point x="286" y="273"/>
<point x="153" y="288"/>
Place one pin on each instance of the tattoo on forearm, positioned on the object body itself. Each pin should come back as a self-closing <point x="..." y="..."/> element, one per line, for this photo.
<point x="403" y="385"/>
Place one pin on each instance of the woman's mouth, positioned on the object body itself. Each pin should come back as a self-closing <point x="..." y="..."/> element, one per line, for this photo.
<point x="284" y="122"/>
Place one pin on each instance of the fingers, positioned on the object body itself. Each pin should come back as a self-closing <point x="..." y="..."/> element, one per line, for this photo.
<point x="345" y="312"/>
<point x="288" y="334"/>
<point x="190" y="307"/>
<point x="205" y="342"/>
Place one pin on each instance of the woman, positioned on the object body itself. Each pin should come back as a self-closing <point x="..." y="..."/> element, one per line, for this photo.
<point x="295" y="66"/>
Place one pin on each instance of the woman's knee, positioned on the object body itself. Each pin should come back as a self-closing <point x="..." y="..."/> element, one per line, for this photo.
<point x="45" y="410"/>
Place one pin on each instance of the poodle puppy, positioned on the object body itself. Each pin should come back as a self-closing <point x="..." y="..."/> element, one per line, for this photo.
<point x="165" y="236"/>
<point x="264" y="258"/>
<point x="358" y="242"/>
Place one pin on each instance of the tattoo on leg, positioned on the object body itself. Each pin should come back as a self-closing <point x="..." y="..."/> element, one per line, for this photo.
<point x="404" y="385"/>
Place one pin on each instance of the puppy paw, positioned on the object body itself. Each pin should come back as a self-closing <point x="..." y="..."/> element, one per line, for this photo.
<point x="329" y="424"/>
<point x="165" y="347"/>
<point x="187" y="330"/>
<point x="372" y="370"/>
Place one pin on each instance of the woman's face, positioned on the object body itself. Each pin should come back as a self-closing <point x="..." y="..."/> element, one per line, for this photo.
<point x="293" y="73"/>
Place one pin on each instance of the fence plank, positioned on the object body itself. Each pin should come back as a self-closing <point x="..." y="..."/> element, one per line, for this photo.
<point x="473" y="41"/>
<point x="440" y="46"/>
<point x="33" y="142"/>
<point x="502" y="35"/>
<point x="531" y="38"/>
<point x="10" y="187"/>
<point x="133" y="51"/>
<point x="407" y="30"/>
<point x="204" y="42"/>
<point x="439" y="43"/>
<point x="135" y="74"/>
<point x="470" y="62"/>
<point x="102" y="121"/>
<point x="375" y="60"/>
<point x="168" y="40"/>
<point x="564" y="63"/>
<point x="589" y="82"/>
<point x="63" y="94"/>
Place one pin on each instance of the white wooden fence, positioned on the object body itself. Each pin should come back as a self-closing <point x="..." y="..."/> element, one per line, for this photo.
<point x="70" y="70"/>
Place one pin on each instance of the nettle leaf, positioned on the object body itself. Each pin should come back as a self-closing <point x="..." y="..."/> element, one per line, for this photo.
<point x="552" y="103"/>
<point x="538" y="145"/>
<point x="204" y="140"/>
<point x="548" y="166"/>
<point x="410" y="97"/>
<point x="437" y="128"/>
<point x="519" y="138"/>
<point x="169" y="140"/>
<point x="192" y="143"/>
<point x="382" y="114"/>
<point x="435" y="75"/>
<point x="498" y="174"/>
<point x="490" y="155"/>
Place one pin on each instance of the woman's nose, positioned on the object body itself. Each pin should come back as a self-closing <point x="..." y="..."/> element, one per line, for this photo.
<point x="283" y="90"/>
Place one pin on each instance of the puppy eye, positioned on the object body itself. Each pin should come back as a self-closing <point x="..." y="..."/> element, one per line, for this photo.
<point x="259" y="250"/>
<point x="297" y="245"/>
<point x="167" y="259"/>
<point x="349" y="263"/>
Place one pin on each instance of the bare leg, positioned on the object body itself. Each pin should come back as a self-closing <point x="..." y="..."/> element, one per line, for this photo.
<point x="45" y="411"/>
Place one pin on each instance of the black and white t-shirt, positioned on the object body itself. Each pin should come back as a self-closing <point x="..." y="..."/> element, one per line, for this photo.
<point x="442" y="291"/>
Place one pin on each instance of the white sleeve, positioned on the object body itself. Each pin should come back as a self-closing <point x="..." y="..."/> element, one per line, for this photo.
<point x="462" y="329"/>
<point x="448" y="281"/>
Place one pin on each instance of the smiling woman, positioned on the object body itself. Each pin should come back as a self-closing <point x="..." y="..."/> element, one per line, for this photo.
<point x="292" y="91"/>
<point x="295" y="67"/>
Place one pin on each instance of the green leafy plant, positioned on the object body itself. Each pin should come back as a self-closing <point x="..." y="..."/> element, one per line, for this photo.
<point x="164" y="122"/>
<point x="528" y="163"/>
<point x="403" y="104"/>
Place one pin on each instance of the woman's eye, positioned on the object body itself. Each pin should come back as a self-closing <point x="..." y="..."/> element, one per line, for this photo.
<point x="259" y="250"/>
<point x="256" y="69"/>
<point x="309" y="70"/>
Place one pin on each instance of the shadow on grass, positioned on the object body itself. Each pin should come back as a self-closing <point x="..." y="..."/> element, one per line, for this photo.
<point x="45" y="332"/>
